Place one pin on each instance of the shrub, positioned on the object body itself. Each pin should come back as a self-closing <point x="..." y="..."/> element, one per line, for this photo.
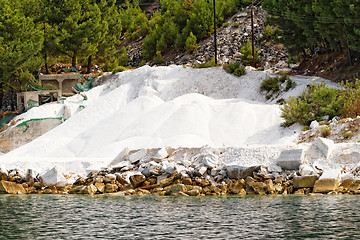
<point x="246" y="51"/>
<point x="347" y="135"/>
<point x="119" y="69"/>
<point x="236" y="25"/>
<point x="268" y="32"/>
<point x="235" y="68"/>
<point x="270" y="84"/>
<point x="316" y="102"/>
<point x="289" y="84"/>
<point x="158" y="58"/>
<point x="325" y="132"/>
<point x="225" y="24"/>
<point x="208" y="64"/>
<point x="190" y="43"/>
<point x="351" y="94"/>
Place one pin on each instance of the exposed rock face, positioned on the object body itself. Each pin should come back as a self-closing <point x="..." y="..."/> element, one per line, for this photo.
<point x="11" y="188"/>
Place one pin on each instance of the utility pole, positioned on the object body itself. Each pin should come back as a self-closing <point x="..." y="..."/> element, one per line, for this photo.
<point x="215" y="32"/>
<point x="252" y="34"/>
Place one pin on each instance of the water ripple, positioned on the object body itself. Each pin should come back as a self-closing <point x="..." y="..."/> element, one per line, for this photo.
<point x="106" y="217"/>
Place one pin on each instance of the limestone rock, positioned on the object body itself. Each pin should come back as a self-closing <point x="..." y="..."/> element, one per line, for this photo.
<point x="100" y="187"/>
<point x="236" y="186"/>
<point x="3" y="176"/>
<point x="187" y="181"/>
<point x="152" y="168"/>
<point x="137" y="156"/>
<point x="90" y="189"/>
<point x="110" y="188"/>
<point x="120" y="157"/>
<point x="53" y="176"/>
<point x="161" y="154"/>
<point x="235" y="171"/>
<point x="210" y="160"/>
<point x="290" y="159"/>
<point x="137" y="180"/>
<point x="177" y="188"/>
<point x="11" y="188"/>
<point x="325" y="146"/>
<point x="350" y="184"/>
<point x="304" y="181"/>
<point x="166" y="181"/>
<point x="329" y="181"/>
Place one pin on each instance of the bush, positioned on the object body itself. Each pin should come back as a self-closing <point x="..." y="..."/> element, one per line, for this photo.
<point x="235" y="68"/>
<point x="225" y="24"/>
<point x="190" y="43"/>
<point x="316" y="102"/>
<point x="236" y="25"/>
<point x="351" y="94"/>
<point x="208" y="64"/>
<point x="270" y="84"/>
<point x="268" y="32"/>
<point x="347" y="135"/>
<point x="119" y="69"/>
<point x="325" y="132"/>
<point x="246" y="51"/>
<point x="158" y="58"/>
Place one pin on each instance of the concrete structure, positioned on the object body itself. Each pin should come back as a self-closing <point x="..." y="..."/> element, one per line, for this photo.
<point x="63" y="82"/>
<point x="26" y="100"/>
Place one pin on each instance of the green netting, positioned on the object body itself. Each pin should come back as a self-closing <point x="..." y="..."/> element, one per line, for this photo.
<point x="6" y="119"/>
<point x="24" y="123"/>
<point x="34" y="88"/>
<point x="82" y="87"/>
<point x="31" y="104"/>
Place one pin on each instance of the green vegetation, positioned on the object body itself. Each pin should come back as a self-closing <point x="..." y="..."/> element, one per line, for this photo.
<point x="235" y="68"/>
<point x="325" y="132"/>
<point x="272" y="85"/>
<point x="347" y="135"/>
<point x="236" y="25"/>
<point x="246" y="52"/>
<point x="319" y="101"/>
<point x="325" y="24"/>
<point x="208" y="64"/>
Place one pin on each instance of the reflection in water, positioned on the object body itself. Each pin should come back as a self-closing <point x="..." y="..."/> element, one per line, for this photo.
<point x="109" y="217"/>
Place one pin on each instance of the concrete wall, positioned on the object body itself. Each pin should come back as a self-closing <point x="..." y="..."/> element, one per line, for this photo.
<point x="16" y="137"/>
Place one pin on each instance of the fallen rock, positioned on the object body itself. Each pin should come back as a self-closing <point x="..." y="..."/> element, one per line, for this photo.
<point x="100" y="187"/>
<point x="90" y="189"/>
<point x="325" y="146"/>
<point x="137" y="180"/>
<point x="176" y="188"/>
<point x="290" y="159"/>
<point x="237" y="186"/>
<point x="329" y="181"/>
<point x="350" y="184"/>
<point x="110" y="188"/>
<point x="11" y="188"/>
<point x="304" y="181"/>
<point x="120" y="157"/>
<point x="137" y="156"/>
<point x="166" y="181"/>
<point x="210" y="160"/>
<point x="53" y="176"/>
<point x="235" y="171"/>
<point x="161" y="154"/>
<point x="3" y="176"/>
<point x="152" y="168"/>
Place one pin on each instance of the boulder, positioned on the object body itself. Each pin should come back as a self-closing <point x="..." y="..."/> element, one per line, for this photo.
<point x="314" y="124"/>
<point x="110" y="188"/>
<point x="164" y="182"/>
<point x="306" y="170"/>
<point x="137" y="156"/>
<point x="304" y="181"/>
<point x="11" y="188"/>
<point x="161" y="154"/>
<point x="235" y="171"/>
<point x="236" y="186"/>
<point x="152" y="168"/>
<point x="177" y="188"/>
<point x="100" y="187"/>
<point x="350" y="184"/>
<point x="329" y="181"/>
<point x="168" y="167"/>
<point x="53" y="176"/>
<point x="210" y="160"/>
<point x="90" y="189"/>
<point x="3" y="176"/>
<point x="137" y="180"/>
<point x="120" y="157"/>
<point x="290" y="159"/>
<point x="325" y="146"/>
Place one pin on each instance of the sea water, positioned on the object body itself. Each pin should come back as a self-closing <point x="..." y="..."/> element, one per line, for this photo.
<point x="125" y="217"/>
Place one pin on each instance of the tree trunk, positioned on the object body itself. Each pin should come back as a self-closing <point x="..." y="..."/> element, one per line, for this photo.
<point x="348" y="53"/>
<point x="89" y="64"/>
<point x="46" y="64"/>
<point x="74" y="60"/>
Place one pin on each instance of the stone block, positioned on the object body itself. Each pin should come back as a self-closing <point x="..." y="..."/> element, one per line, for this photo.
<point x="137" y="180"/>
<point x="304" y="181"/>
<point x="120" y="157"/>
<point x="11" y="188"/>
<point x="235" y="171"/>
<point x="53" y="176"/>
<point x="325" y="146"/>
<point x="161" y="154"/>
<point x="137" y="156"/>
<point x="329" y="181"/>
<point x="290" y="159"/>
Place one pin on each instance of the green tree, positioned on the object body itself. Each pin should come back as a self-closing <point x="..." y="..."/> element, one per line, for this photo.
<point x="190" y="43"/>
<point x="246" y="52"/>
<point x="20" y="45"/>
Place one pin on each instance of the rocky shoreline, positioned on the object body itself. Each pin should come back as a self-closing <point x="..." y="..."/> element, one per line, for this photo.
<point x="158" y="172"/>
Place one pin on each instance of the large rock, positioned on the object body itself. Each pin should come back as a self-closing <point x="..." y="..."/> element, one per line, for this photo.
<point x="304" y="181"/>
<point x="54" y="176"/>
<point x="237" y="186"/>
<point x="290" y="159"/>
<point x="152" y="168"/>
<point x="329" y="181"/>
<point x="235" y="171"/>
<point x="3" y="176"/>
<point x="137" y="156"/>
<point x="350" y="184"/>
<point x="90" y="189"/>
<point x="210" y="160"/>
<point x="325" y="146"/>
<point x="161" y="154"/>
<point x="120" y="157"/>
<point x="137" y="180"/>
<point x="11" y="188"/>
<point x="177" y="188"/>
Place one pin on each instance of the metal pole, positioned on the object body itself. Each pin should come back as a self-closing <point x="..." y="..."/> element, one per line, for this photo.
<point x="252" y="34"/>
<point x="215" y="33"/>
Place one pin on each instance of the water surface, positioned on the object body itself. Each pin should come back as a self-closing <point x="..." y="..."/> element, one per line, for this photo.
<point x="123" y="217"/>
